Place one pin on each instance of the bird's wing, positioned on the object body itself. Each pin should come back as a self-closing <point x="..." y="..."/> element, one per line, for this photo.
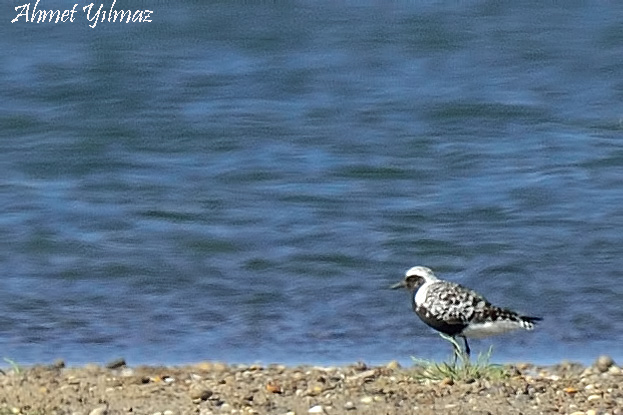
<point x="493" y="313"/>
<point x="454" y="302"/>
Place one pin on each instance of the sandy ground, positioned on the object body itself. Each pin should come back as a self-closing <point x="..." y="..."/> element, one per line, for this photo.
<point x="217" y="388"/>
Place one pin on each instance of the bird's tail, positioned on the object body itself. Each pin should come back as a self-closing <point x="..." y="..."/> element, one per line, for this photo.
<point x="528" y="322"/>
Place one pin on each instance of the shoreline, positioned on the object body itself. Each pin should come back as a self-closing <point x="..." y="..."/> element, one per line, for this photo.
<point x="219" y="388"/>
<point x="133" y="361"/>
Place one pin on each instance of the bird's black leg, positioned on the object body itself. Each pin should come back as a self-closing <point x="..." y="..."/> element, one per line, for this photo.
<point x="467" y="349"/>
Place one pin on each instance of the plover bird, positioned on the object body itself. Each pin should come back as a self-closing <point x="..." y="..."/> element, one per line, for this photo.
<point x="457" y="311"/>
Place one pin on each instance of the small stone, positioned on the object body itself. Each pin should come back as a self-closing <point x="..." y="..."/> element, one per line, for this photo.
<point x="361" y="366"/>
<point x="591" y="412"/>
<point x="366" y="400"/>
<point x="447" y="382"/>
<point x="102" y="410"/>
<point x="578" y="413"/>
<point x="393" y="365"/>
<point x="219" y="367"/>
<point x="157" y="413"/>
<point x="364" y="375"/>
<point x="273" y="388"/>
<point x="116" y="363"/>
<point x="314" y="390"/>
<point x="168" y="412"/>
<point x="589" y="371"/>
<point x="349" y="406"/>
<point x="318" y="409"/>
<point x="71" y="380"/>
<point x="204" y="366"/>
<point x="200" y="393"/>
<point x="570" y="390"/>
<point x="603" y="363"/>
<point x="523" y="366"/>
<point x="593" y="398"/>
<point x="127" y="372"/>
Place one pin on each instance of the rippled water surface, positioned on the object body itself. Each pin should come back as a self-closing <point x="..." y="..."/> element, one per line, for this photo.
<point x="243" y="182"/>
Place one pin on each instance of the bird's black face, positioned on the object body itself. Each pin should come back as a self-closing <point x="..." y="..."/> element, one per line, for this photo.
<point x="411" y="283"/>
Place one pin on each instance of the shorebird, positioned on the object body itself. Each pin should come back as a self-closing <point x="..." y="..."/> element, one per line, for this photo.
<point x="457" y="311"/>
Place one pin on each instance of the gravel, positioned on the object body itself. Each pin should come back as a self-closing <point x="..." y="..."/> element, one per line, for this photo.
<point x="218" y="388"/>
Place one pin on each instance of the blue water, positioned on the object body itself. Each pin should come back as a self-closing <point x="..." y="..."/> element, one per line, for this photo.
<point x="242" y="182"/>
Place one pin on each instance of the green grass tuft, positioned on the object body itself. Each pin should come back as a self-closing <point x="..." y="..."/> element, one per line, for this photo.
<point x="461" y="370"/>
<point x="15" y="366"/>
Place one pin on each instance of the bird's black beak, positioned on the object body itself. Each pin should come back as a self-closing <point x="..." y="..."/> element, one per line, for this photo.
<point x="398" y="285"/>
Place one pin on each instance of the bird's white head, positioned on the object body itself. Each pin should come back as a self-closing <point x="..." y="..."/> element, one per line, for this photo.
<point x="415" y="277"/>
<point x="422" y="272"/>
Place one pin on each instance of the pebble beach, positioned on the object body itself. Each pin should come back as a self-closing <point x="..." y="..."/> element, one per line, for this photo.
<point x="219" y="388"/>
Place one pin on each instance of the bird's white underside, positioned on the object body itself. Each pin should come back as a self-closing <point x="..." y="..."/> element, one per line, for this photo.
<point x="490" y="328"/>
